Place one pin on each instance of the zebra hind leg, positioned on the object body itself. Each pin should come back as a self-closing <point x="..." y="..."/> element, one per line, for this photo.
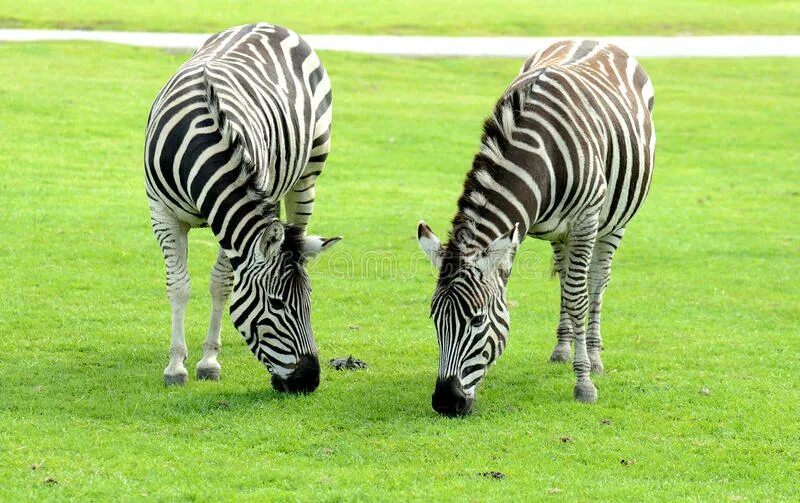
<point x="599" y="275"/>
<point x="172" y="235"/>
<point x="562" y="353"/>
<point x="220" y="286"/>
<point x="580" y="244"/>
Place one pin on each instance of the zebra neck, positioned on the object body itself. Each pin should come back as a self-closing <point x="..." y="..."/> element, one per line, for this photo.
<point x="241" y="251"/>
<point x="238" y="216"/>
<point x="494" y="200"/>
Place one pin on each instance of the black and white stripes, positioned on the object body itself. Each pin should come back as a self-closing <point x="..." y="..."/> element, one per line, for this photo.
<point x="243" y="125"/>
<point x="566" y="156"/>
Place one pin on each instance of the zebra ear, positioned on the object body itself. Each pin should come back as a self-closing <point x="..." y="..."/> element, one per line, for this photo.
<point x="500" y="252"/>
<point x="314" y="245"/>
<point x="271" y="240"/>
<point x="429" y="243"/>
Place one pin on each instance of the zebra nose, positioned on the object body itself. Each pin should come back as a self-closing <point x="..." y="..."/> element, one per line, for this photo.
<point x="449" y="398"/>
<point x="303" y="379"/>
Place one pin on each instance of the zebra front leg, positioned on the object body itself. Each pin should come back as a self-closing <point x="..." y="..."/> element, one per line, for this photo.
<point x="172" y="236"/>
<point x="299" y="201"/>
<point x="580" y="244"/>
<point x="599" y="275"/>
<point x="562" y="353"/>
<point x="220" y="287"/>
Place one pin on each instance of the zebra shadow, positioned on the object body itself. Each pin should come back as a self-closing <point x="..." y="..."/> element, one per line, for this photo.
<point x="375" y="395"/>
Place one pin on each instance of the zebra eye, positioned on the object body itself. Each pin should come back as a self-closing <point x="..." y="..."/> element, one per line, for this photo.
<point x="276" y="303"/>
<point x="477" y="320"/>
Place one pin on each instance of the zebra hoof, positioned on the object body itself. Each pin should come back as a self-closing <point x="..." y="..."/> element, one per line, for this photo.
<point x="175" y="380"/>
<point x="561" y="354"/>
<point x="597" y="365"/>
<point x="208" y="374"/>
<point x="585" y="392"/>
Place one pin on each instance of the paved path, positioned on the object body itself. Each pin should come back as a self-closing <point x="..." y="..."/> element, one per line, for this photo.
<point x="510" y="47"/>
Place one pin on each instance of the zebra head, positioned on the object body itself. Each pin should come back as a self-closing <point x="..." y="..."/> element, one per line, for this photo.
<point x="470" y="315"/>
<point x="271" y="305"/>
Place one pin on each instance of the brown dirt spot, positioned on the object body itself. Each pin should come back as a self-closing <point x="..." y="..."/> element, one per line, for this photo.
<point x="493" y="475"/>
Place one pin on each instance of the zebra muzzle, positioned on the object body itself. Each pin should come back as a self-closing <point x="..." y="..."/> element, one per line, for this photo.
<point x="303" y="379"/>
<point x="449" y="398"/>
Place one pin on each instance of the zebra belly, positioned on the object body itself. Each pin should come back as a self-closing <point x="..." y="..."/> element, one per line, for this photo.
<point x="612" y="217"/>
<point x="553" y="230"/>
<point x="193" y="221"/>
<point x="191" y="217"/>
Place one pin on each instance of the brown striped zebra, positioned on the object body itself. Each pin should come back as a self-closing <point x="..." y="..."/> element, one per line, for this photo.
<point x="566" y="156"/>
<point x="243" y="125"/>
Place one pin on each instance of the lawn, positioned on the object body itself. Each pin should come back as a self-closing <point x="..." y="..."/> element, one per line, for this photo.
<point x="417" y="17"/>
<point x="701" y="395"/>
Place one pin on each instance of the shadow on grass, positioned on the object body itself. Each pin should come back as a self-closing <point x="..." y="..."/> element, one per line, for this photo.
<point x="109" y="385"/>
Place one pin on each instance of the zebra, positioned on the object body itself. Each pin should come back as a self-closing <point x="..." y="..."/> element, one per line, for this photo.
<point x="566" y="156"/>
<point x="242" y="125"/>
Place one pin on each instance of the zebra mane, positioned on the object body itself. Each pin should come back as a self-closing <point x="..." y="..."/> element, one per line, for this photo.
<point x="267" y="208"/>
<point x="294" y="243"/>
<point x="292" y="248"/>
<point x="249" y="176"/>
<point x="497" y="130"/>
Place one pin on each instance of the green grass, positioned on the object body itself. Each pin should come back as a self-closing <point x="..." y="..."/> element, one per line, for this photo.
<point x="705" y="294"/>
<point x="406" y="17"/>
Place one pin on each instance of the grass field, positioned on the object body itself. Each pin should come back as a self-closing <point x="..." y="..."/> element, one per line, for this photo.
<point x="403" y="17"/>
<point x="701" y="395"/>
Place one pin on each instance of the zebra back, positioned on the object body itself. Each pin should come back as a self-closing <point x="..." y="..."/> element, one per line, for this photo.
<point x="573" y="130"/>
<point x="250" y="104"/>
<point x="267" y="90"/>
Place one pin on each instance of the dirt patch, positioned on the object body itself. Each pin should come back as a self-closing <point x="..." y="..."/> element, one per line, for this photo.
<point x="348" y="363"/>
<point x="493" y="475"/>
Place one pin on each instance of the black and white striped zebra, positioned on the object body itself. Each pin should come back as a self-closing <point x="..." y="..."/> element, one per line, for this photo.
<point x="566" y="156"/>
<point x="242" y="125"/>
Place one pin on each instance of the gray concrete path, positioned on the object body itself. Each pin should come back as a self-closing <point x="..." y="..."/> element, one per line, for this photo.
<point x="505" y="47"/>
